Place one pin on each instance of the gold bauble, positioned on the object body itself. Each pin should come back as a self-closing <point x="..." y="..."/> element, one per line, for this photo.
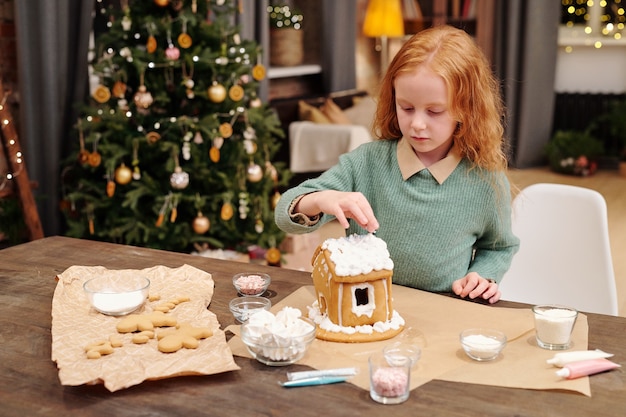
<point x="162" y="3"/>
<point x="123" y="175"/>
<point x="255" y="172"/>
<point x="201" y="224"/>
<point x="217" y="92"/>
<point x="275" y="199"/>
<point x="227" y="212"/>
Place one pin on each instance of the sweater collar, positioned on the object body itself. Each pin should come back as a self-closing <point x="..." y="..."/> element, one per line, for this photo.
<point x="410" y="164"/>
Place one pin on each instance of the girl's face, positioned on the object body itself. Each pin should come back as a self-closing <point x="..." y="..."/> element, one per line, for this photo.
<point x="423" y="113"/>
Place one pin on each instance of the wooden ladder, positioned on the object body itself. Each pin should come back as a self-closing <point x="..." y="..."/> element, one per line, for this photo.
<point x="15" y="182"/>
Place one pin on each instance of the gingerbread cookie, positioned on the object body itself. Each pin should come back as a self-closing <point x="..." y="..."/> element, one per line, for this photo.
<point x="183" y="336"/>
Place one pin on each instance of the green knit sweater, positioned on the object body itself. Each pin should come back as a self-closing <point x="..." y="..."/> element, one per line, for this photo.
<point x="435" y="233"/>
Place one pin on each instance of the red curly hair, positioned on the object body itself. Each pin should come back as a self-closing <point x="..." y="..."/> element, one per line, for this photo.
<point x="473" y="93"/>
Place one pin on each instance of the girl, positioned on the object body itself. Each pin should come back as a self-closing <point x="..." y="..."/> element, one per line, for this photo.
<point x="434" y="184"/>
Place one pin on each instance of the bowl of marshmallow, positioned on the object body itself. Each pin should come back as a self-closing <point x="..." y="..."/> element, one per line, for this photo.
<point x="278" y="340"/>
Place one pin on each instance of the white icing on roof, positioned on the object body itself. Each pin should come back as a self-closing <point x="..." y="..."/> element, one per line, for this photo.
<point x="358" y="254"/>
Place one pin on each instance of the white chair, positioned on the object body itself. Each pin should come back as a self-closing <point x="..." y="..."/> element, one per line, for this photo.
<point x="565" y="255"/>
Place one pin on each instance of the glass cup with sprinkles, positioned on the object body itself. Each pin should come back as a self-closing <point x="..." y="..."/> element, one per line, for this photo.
<point x="390" y="378"/>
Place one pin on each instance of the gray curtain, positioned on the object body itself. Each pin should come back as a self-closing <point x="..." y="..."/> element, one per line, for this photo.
<point x="52" y="41"/>
<point x="525" y="58"/>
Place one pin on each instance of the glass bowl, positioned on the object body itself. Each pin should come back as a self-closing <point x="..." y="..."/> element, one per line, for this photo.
<point x="251" y="283"/>
<point x="243" y="307"/>
<point x="482" y="344"/>
<point x="399" y="351"/>
<point x="116" y="296"/>
<point x="278" y="349"/>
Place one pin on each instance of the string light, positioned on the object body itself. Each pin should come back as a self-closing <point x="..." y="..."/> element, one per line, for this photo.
<point x="18" y="158"/>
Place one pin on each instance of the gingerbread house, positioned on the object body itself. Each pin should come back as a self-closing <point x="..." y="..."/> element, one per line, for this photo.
<point x="352" y="279"/>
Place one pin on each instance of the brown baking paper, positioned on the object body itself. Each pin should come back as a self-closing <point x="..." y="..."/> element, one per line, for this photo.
<point x="434" y="322"/>
<point x="75" y="324"/>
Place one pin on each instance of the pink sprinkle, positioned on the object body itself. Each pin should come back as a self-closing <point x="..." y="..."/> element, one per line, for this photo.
<point x="251" y="284"/>
<point x="390" y="382"/>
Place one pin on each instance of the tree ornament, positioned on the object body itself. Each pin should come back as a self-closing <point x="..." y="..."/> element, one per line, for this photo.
<point x="236" y="92"/>
<point x="197" y="138"/>
<point x="123" y="174"/>
<point x="217" y="92"/>
<point x="255" y="172"/>
<point x="162" y="3"/>
<point x="258" y="72"/>
<point x="152" y="137"/>
<point x="275" y="198"/>
<point x="135" y="163"/>
<point x="110" y="189"/>
<point x="214" y="154"/>
<point x="143" y="99"/>
<point x="272" y="256"/>
<point x="151" y="44"/>
<point x="271" y="171"/>
<point x="83" y="154"/>
<point x="172" y="53"/>
<point x="226" y="130"/>
<point x="256" y="103"/>
<point x="184" y="40"/>
<point x="179" y="179"/>
<point x="227" y="211"/>
<point x="119" y="89"/>
<point x="102" y="94"/>
<point x="94" y="159"/>
<point x="201" y="224"/>
<point x="250" y="146"/>
<point x="259" y="226"/>
<point x="126" y="23"/>
<point x="244" y="200"/>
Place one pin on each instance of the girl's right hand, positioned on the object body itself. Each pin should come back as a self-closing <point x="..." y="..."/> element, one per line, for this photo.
<point x="343" y="205"/>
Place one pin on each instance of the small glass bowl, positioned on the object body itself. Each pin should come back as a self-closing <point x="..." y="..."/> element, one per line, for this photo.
<point x="399" y="351"/>
<point x="482" y="344"/>
<point x="243" y="307"/>
<point x="117" y="296"/>
<point x="275" y="350"/>
<point x="251" y="283"/>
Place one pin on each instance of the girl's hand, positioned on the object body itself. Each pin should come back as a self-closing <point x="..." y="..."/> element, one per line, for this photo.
<point x="342" y="205"/>
<point x="473" y="285"/>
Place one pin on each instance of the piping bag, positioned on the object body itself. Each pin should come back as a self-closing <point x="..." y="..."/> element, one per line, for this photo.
<point x="320" y="380"/>
<point x="563" y="358"/>
<point x="318" y="377"/>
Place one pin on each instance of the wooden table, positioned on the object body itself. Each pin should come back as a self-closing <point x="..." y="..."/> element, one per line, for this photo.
<point x="29" y="384"/>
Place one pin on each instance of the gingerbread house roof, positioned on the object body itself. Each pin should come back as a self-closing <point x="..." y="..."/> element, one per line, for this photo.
<point x="356" y="258"/>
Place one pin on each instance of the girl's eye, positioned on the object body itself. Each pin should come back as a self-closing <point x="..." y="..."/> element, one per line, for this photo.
<point x="436" y="111"/>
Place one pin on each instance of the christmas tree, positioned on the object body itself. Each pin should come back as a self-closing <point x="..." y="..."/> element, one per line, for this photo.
<point x="174" y="149"/>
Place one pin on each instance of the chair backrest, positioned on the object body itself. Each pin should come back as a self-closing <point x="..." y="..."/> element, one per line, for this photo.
<point x="565" y="255"/>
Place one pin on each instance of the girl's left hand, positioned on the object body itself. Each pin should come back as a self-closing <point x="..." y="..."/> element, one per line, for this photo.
<point x="473" y="285"/>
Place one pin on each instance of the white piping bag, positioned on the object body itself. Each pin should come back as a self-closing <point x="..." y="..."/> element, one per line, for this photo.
<point x="563" y="358"/>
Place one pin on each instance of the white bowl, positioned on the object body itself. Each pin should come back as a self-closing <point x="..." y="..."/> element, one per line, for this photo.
<point x="482" y="344"/>
<point x="243" y="307"/>
<point x="116" y="296"/>
<point x="274" y="350"/>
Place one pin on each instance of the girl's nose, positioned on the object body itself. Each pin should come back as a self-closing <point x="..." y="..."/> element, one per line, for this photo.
<point x="418" y="123"/>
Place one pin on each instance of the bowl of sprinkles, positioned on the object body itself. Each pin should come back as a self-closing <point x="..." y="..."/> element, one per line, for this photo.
<point x="251" y="284"/>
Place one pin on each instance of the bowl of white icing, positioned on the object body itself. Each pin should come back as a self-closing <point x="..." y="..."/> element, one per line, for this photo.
<point x="482" y="344"/>
<point x="278" y="340"/>
<point x="116" y="296"/>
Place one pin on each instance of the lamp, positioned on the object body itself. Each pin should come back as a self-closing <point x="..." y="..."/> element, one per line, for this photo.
<point x="383" y="18"/>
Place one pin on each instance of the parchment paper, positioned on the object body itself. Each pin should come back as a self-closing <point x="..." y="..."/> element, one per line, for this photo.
<point x="433" y="322"/>
<point x="76" y="324"/>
